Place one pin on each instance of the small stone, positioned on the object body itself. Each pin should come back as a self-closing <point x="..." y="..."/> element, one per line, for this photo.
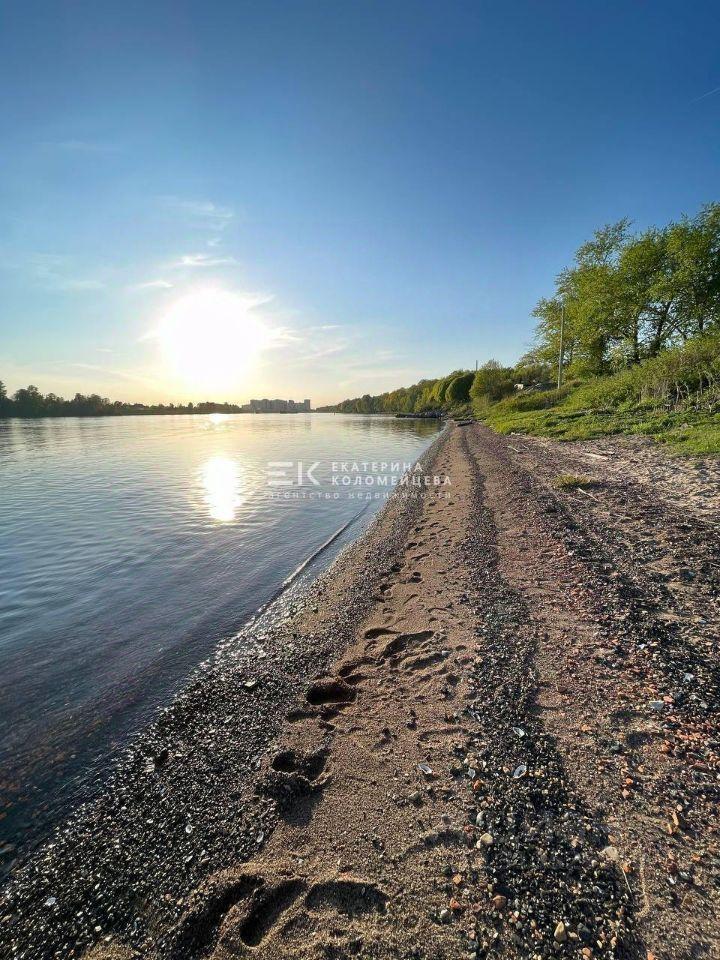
<point x="560" y="934"/>
<point x="250" y="684"/>
<point x="486" y="840"/>
<point x="499" y="901"/>
<point x="444" y="915"/>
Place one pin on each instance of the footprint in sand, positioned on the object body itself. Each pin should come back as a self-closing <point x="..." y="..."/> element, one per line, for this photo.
<point x="351" y="898"/>
<point x="239" y="910"/>
<point x="402" y="641"/>
<point x="330" y="692"/>
<point x="374" y="632"/>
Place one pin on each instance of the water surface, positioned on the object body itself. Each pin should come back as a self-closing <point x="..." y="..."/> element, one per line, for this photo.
<point x="129" y="548"/>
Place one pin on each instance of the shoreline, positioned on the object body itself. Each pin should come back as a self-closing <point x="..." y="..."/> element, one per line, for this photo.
<point x="452" y="746"/>
<point x="280" y="657"/>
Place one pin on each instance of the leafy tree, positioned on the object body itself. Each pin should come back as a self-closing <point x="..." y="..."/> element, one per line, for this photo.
<point x="628" y="297"/>
<point x="28" y="402"/>
<point x="458" y="390"/>
<point x="492" y="382"/>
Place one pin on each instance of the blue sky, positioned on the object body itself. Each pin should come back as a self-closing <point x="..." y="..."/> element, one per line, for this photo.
<point x="388" y="187"/>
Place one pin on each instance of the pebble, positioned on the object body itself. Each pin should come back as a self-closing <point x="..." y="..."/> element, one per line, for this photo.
<point x="560" y="934"/>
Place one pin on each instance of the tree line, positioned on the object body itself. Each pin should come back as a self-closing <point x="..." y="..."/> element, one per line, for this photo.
<point x="29" y="402"/>
<point x="626" y="299"/>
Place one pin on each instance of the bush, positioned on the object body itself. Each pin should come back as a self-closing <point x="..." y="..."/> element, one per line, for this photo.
<point x="686" y="374"/>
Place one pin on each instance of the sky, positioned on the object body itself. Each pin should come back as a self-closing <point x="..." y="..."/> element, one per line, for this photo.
<point x="343" y="196"/>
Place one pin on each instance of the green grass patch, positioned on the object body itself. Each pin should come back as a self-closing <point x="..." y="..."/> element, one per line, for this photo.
<point x="673" y="398"/>
<point x="572" y="481"/>
<point x="685" y="431"/>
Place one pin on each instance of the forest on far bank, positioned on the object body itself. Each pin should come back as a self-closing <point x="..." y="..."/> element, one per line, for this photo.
<point x="30" y="402"/>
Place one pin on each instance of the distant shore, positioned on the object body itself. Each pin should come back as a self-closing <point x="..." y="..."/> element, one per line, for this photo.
<point x="142" y="411"/>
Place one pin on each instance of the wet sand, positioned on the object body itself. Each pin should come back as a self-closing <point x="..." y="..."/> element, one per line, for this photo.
<point x="490" y="730"/>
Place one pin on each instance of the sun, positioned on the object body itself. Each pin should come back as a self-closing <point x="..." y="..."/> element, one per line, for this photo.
<point x="211" y="340"/>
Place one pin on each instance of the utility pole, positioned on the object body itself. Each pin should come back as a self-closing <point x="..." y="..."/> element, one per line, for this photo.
<point x="562" y="345"/>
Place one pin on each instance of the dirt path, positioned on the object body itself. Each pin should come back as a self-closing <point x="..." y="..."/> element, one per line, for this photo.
<point x="513" y="752"/>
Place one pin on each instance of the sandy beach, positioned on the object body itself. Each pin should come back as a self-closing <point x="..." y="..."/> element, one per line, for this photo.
<point x="490" y="729"/>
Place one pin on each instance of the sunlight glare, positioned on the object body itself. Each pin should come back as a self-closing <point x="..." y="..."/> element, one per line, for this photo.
<point x="221" y="480"/>
<point x="210" y="340"/>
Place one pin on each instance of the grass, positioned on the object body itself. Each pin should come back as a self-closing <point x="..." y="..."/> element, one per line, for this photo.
<point x="685" y="431"/>
<point x="673" y="398"/>
<point x="571" y="481"/>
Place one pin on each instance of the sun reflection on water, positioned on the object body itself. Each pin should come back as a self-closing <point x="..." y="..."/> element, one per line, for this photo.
<point x="221" y="480"/>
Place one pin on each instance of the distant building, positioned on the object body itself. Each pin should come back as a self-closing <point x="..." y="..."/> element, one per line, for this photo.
<point x="276" y="406"/>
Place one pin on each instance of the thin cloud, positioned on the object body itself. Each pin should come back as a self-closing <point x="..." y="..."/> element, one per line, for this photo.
<point x="214" y="213"/>
<point x="704" y="96"/>
<point x="322" y="352"/>
<point x="194" y="260"/>
<point x="283" y="335"/>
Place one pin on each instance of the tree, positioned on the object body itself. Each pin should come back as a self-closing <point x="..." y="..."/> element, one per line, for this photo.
<point x="492" y="382"/>
<point x="628" y="297"/>
<point x="29" y="402"/>
<point x="458" y="390"/>
<point x="694" y="246"/>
